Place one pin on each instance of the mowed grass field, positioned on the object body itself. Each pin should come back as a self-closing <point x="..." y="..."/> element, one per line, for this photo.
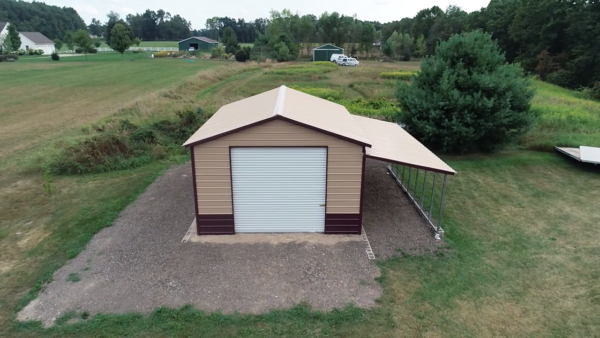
<point x="156" y="44"/>
<point x="521" y="223"/>
<point x="43" y="98"/>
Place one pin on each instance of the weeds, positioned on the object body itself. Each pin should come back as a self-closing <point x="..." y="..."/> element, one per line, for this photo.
<point x="73" y="277"/>
<point x="124" y="145"/>
<point x="47" y="185"/>
<point x="401" y="75"/>
<point x="383" y="109"/>
<point x="318" y="67"/>
<point x="324" y="93"/>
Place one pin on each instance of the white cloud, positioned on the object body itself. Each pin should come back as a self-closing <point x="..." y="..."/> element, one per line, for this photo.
<point x="83" y="9"/>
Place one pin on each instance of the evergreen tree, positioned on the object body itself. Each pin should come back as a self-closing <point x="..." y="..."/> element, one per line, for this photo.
<point x="14" y="38"/>
<point x="466" y="97"/>
<point x="229" y="40"/>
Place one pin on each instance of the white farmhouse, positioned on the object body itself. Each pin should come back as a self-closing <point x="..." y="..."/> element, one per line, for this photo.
<point x="30" y="40"/>
<point x="3" y="29"/>
<point x="36" y="40"/>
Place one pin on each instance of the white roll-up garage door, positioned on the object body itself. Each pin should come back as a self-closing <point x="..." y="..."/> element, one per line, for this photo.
<point x="279" y="189"/>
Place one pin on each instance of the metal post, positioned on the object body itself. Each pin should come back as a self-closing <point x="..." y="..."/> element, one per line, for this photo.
<point x="423" y="192"/>
<point x="442" y="203"/>
<point x="416" y="182"/>
<point x="408" y="183"/>
<point x="432" y="194"/>
<point x="403" y="168"/>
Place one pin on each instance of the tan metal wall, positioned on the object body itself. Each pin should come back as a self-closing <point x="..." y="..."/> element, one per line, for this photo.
<point x="344" y="167"/>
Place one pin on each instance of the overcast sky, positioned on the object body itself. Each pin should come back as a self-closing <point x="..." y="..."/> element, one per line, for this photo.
<point x="198" y="11"/>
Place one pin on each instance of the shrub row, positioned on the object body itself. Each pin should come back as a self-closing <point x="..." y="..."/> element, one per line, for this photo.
<point x="29" y="52"/>
<point x="401" y="75"/>
<point x="9" y="57"/>
<point x="123" y="145"/>
<point x="81" y="50"/>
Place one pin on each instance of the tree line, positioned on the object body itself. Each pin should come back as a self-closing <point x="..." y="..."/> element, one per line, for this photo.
<point x="52" y="21"/>
<point x="149" y="26"/>
<point x="558" y="40"/>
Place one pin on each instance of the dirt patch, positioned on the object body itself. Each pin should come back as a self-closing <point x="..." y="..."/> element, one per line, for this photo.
<point x="392" y="223"/>
<point x="140" y="264"/>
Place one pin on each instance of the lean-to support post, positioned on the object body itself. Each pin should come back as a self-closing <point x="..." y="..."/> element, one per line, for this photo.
<point x="439" y="224"/>
<point x="423" y="191"/>
<point x="427" y="214"/>
<point x="402" y="180"/>
<point x="416" y="182"/>
<point x="432" y="195"/>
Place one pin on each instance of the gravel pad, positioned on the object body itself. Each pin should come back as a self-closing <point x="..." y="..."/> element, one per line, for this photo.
<point x="140" y="264"/>
<point x="391" y="221"/>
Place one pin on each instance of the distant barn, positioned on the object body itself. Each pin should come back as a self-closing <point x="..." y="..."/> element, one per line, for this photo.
<point x="198" y="43"/>
<point x="324" y="52"/>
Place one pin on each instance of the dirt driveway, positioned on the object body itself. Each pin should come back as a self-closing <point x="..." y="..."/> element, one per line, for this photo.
<point x="140" y="263"/>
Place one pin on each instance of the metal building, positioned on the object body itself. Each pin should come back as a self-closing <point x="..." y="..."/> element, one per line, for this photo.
<point x="286" y="161"/>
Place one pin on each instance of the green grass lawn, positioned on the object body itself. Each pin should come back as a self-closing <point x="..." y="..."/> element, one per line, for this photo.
<point x="520" y="223"/>
<point x="74" y="91"/>
<point x="156" y="44"/>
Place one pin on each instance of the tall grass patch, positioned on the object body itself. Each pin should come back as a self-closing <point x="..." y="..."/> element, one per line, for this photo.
<point x="375" y="89"/>
<point x="563" y="119"/>
<point x="319" y="67"/>
<point x="382" y="109"/>
<point x="399" y="75"/>
<point x="120" y="144"/>
<point x="324" y="93"/>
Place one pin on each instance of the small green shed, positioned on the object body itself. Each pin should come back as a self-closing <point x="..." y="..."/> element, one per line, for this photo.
<point x="323" y="53"/>
<point x="199" y="43"/>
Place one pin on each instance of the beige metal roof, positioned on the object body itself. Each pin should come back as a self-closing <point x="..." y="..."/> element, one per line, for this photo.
<point x="283" y="103"/>
<point x="392" y="143"/>
<point x="383" y="140"/>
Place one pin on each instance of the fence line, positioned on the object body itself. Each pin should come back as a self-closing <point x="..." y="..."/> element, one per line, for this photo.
<point x="146" y="49"/>
<point x="430" y="192"/>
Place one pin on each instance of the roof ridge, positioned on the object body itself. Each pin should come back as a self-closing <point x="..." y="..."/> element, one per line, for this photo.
<point x="280" y="102"/>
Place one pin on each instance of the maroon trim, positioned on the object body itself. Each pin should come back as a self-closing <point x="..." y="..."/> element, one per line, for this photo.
<point x="231" y="131"/>
<point x="272" y="118"/>
<point x="343" y="224"/>
<point x="362" y="190"/>
<point x="411" y="165"/>
<point x="195" y="191"/>
<point x="231" y="186"/>
<point x="326" y="178"/>
<point x="215" y="225"/>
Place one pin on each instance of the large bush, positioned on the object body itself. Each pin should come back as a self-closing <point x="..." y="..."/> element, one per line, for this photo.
<point x="466" y="97"/>
<point x="243" y="54"/>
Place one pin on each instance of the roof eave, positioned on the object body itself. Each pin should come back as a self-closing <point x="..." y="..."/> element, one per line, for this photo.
<point x="272" y="118"/>
<point x="441" y="171"/>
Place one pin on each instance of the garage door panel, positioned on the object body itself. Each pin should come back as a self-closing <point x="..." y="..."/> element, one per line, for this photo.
<point x="279" y="189"/>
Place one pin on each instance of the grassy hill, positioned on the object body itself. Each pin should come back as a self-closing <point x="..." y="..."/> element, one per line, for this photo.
<point x="521" y="223"/>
